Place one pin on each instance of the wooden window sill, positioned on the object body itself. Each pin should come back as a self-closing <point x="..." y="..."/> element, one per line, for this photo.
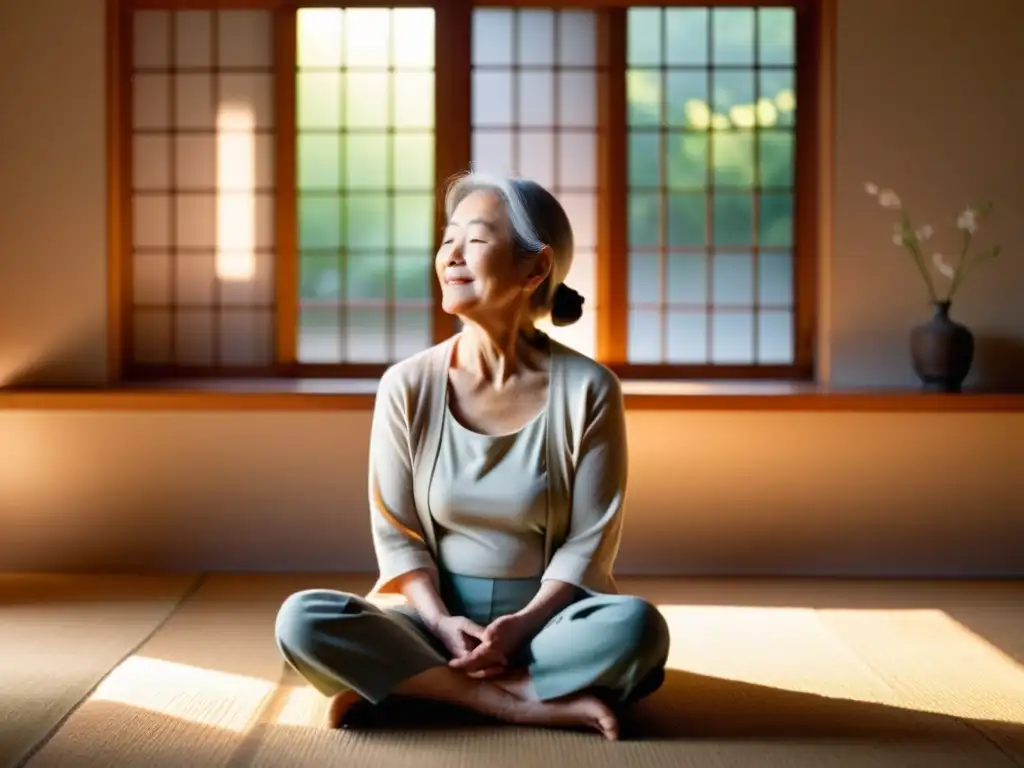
<point x="358" y="395"/>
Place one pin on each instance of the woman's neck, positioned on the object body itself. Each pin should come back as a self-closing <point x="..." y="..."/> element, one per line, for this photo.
<point x="495" y="353"/>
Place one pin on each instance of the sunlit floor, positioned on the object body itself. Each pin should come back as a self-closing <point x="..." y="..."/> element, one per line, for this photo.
<point x="183" y="671"/>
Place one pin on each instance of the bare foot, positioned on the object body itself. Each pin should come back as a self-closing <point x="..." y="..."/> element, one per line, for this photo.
<point x="575" y="711"/>
<point x="339" y="707"/>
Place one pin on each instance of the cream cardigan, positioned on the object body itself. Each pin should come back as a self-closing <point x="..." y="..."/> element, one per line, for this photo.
<point x="586" y="458"/>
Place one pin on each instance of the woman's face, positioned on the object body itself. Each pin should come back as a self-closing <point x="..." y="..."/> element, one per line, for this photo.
<point x="479" y="271"/>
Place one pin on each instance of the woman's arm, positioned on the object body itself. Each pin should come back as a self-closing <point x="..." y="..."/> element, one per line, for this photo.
<point x="398" y="538"/>
<point x="598" y="493"/>
<point x="419" y="589"/>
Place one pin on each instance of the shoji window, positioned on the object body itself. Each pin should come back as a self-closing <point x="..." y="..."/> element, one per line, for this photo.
<point x="711" y="126"/>
<point x="534" y="114"/>
<point x="202" y="188"/>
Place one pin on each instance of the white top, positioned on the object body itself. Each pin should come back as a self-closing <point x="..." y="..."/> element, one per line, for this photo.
<point x="488" y="497"/>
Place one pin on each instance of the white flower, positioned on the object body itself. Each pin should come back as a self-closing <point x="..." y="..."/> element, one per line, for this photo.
<point x="897" y="234"/>
<point x="889" y="199"/>
<point x="871" y="189"/>
<point x="968" y="220"/>
<point x="925" y="232"/>
<point x="946" y="270"/>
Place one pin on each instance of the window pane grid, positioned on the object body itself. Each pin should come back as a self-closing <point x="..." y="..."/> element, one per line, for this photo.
<point x="202" y="189"/>
<point x="711" y="184"/>
<point x="365" y="177"/>
<point x="534" y="114"/>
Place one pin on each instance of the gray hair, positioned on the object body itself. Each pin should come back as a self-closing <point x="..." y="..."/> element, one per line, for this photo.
<point x="536" y="217"/>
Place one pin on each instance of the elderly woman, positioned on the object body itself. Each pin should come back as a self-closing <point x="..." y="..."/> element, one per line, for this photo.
<point x="497" y="481"/>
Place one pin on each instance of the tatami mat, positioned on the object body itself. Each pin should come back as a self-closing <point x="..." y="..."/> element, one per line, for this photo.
<point x="763" y="673"/>
<point x="59" y="635"/>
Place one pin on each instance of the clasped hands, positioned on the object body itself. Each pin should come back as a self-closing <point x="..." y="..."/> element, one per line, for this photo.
<point x="482" y="651"/>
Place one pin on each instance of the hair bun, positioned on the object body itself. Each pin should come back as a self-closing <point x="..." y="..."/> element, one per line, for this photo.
<point x="566" y="306"/>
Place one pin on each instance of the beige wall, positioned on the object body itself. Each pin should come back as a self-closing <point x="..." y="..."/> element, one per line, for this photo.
<point x="730" y="492"/>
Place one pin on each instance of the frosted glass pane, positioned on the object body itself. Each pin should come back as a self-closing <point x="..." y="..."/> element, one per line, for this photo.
<point x="151" y="221"/>
<point x="251" y="92"/>
<point x="320" y="276"/>
<point x="195" y="278"/>
<point x="687" y="161"/>
<point x="731" y="93"/>
<point x="776" y="221"/>
<point x="151" y="102"/>
<point x="195" y="159"/>
<point x="414" y="222"/>
<point x="151" y="38"/>
<point x="197" y="220"/>
<point x="686" y="338"/>
<point x="644" y="336"/>
<point x="492" y="98"/>
<point x="413" y="331"/>
<point x="366" y="156"/>
<point x="732" y="33"/>
<point x="319" y="35"/>
<point x="775" y="338"/>
<point x="732" y="338"/>
<point x="366" y="105"/>
<point x="246" y="337"/>
<point x="644" y="278"/>
<point x="319" y="336"/>
<point x="193" y="106"/>
<point x="265" y="171"/>
<point x="643" y="37"/>
<point x="577" y="160"/>
<point x="577" y="99"/>
<point x="644" y="160"/>
<point x="643" y="98"/>
<point x="582" y="276"/>
<point x="686" y="32"/>
<point x="733" y="279"/>
<point x="151" y="278"/>
<point x="367" y="37"/>
<point x="536" y="37"/>
<point x="254" y="291"/>
<point x="687" y="275"/>
<point x="193" y="39"/>
<point x="245" y="39"/>
<point x="412" y="277"/>
<point x="414" y="161"/>
<point x="193" y="339"/>
<point x="151" y="337"/>
<point x="778" y="88"/>
<point x="151" y="162"/>
<point x="644" y="219"/>
<point x="367" y="336"/>
<point x="367" y="277"/>
<point x="775" y="279"/>
<point x="537" y="157"/>
<point x="366" y="221"/>
<point x="492" y="151"/>
<point x="319" y="100"/>
<point x="687" y="220"/>
<point x="264" y="210"/>
<point x="732" y="158"/>
<point x="492" y="37"/>
<point x="733" y="220"/>
<point x="319" y="221"/>
<point x="777" y="36"/>
<point x="577" y="38"/>
<point x="582" y="212"/>
<point x="412" y="35"/>
<point x="686" y="94"/>
<point x="776" y="159"/>
<point x="536" y="98"/>
<point x="414" y="100"/>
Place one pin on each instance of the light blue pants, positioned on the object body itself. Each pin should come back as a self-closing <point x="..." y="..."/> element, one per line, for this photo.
<point x="615" y="646"/>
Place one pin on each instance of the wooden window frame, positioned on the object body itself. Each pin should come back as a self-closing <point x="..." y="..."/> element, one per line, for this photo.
<point x="453" y="141"/>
